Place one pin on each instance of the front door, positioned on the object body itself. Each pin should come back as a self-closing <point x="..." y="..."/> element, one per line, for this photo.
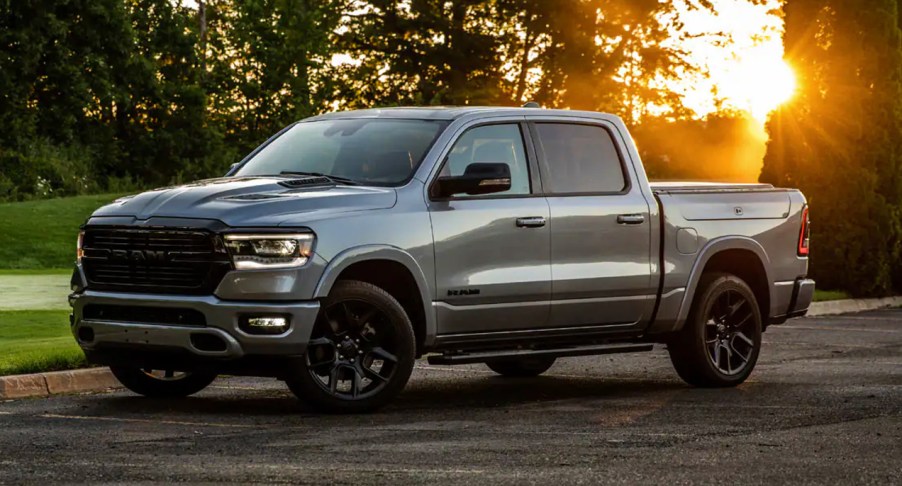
<point x="492" y="251"/>
<point x="601" y="257"/>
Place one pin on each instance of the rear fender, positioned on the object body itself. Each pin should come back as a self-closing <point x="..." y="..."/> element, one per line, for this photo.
<point x="713" y="248"/>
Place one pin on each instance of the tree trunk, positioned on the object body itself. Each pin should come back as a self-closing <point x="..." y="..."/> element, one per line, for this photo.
<point x="524" y="65"/>
<point x="202" y="16"/>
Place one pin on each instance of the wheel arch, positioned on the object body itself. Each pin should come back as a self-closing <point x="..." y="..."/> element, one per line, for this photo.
<point x="395" y="271"/>
<point x="740" y="256"/>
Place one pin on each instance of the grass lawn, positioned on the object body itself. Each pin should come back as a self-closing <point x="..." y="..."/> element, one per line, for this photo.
<point x="824" y="295"/>
<point x="37" y="341"/>
<point x="41" y="234"/>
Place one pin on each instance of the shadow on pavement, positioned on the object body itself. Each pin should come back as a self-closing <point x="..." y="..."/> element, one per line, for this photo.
<point x="424" y="398"/>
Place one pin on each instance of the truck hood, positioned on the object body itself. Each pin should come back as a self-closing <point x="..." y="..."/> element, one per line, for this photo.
<point x="250" y="201"/>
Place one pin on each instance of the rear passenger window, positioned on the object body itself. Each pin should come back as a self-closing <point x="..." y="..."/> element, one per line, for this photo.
<point x="579" y="159"/>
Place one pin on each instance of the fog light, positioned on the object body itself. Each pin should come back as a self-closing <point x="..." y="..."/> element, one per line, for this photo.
<point x="85" y="334"/>
<point x="264" y="325"/>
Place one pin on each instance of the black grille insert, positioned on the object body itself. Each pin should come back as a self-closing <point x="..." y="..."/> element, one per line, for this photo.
<point x="153" y="260"/>
<point x="146" y="315"/>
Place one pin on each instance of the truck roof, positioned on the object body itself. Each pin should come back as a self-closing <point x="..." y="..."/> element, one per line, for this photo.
<point x="452" y="112"/>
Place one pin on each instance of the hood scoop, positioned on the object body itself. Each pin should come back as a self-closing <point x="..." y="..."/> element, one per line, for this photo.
<point x="307" y="182"/>
<point x="254" y="197"/>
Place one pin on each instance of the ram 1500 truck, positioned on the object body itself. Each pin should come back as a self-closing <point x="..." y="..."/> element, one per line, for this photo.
<point x="350" y="244"/>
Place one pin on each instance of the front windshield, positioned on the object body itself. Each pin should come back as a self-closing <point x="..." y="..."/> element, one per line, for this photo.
<point x="367" y="151"/>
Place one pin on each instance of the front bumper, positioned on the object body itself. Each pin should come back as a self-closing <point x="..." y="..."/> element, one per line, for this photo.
<point x="222" y="326"/>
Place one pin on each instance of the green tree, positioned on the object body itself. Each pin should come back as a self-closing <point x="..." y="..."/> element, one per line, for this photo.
<point x="594" y="55"/>
<point x="839" y="139"/>
<point x="161" y="112"/>
<point x="268" y="63"/>
<point x="423" y="52"/>
<point x="59" y="60"/>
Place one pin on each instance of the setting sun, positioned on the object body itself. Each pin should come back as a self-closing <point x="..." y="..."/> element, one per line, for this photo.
<point x="739" y="47"/>
<point x="760" y="85"/>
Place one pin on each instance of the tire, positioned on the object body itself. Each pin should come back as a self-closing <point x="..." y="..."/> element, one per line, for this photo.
<point x="724" y="326"/>
<point x="170" y="385"/>
<point x="363" y="341"/>
<point x="523" y="367"/>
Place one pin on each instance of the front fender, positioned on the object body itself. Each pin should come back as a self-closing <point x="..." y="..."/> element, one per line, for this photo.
<point x="380" y="252"/>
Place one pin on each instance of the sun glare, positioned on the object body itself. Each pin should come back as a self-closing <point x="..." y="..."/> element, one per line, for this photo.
<point x="748" y="73"/>
<point x="760" y="85"/>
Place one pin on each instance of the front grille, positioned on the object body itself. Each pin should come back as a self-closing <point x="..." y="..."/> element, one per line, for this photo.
<point x="155" y="260"/>
<point x="146" y="315"/>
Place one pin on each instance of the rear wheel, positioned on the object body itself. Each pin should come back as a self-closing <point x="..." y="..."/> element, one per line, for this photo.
<point x="162" y="383"/>
<point x="360" y="354"/>
<point x="720" y="342"/>
<point x="521" y="367"/>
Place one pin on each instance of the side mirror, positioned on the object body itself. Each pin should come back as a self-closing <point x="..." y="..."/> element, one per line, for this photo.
<point x="478" y="178"/>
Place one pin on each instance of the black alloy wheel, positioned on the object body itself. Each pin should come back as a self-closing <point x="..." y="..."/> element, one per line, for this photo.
<point x="721" y="339"/>
<point x="361" y="351"/>
<point x="348" y="358"/>
<point x="728" y="327"/>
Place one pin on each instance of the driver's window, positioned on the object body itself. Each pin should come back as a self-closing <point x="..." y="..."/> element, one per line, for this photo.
<point x="500" y="144"/>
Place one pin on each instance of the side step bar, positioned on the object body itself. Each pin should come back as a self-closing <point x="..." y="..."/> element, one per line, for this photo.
<point x="482" y="357"/>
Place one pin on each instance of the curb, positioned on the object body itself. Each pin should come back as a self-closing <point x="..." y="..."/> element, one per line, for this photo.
<point x="832" y="307"/>
<point x="57" y="383"/>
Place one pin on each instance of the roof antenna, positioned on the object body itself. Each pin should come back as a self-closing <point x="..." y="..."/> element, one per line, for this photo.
<point x="531" y="104"/>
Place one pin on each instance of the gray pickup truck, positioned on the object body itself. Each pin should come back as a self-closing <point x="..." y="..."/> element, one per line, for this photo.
<point x="350" y="244"/>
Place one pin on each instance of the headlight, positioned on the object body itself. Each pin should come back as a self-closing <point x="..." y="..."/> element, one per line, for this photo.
<point x="253" y="251"/>
<point x="79" y="247"/>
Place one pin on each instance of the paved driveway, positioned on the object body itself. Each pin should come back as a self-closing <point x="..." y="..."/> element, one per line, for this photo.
<point x="824" y="406"/>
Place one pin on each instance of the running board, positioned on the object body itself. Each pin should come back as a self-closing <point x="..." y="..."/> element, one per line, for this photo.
<point x="484" y="356"/>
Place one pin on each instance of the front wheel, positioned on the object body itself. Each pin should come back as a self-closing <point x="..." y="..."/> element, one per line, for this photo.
<point x="162" y="383"/>
<point x="360" y="354"/>
<point x="720" y="342"/>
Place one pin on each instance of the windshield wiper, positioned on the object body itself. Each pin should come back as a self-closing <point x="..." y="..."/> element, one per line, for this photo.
<point x="340" y="180"/>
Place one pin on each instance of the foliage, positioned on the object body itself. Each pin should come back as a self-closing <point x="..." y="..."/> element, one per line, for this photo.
<point x="840" y="140"/>
<point x="40" y="234"/>
<point x="101" y="93"/>
<point x="268" y="64"/>
<point x="580" y="54"/>
<point x="113" y="95"/>
<point x="828" y="295"/>
<point x="37" y="341"/>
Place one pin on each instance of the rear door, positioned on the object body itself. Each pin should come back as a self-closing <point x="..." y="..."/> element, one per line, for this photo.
<point x="601" y="255"/>
<point x="492" y="251"/>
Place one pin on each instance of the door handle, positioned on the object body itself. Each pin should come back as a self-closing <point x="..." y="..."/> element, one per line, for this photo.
<point x="531" y="222"/>
<point x="630" y="219"/>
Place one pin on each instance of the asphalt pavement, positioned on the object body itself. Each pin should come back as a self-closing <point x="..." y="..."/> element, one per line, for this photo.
<point x="823" y="406"/>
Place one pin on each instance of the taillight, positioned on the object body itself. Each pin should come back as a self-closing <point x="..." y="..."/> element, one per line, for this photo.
<point x="805" y="233"/>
